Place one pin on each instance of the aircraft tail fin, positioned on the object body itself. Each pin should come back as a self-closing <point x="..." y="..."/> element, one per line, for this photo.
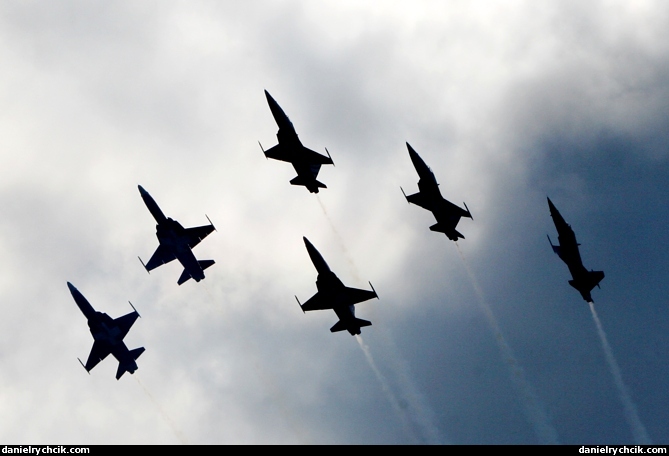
<point x="129" y="365"/>
<point x="352" y="327"/>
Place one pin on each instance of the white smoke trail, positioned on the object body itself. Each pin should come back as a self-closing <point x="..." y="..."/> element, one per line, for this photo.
<point x="545" y="431"/>
<point x="386" y="389"/>
<point x="638" y="429"/>
<point x="340" y="241"/>
<point x="178" y="434"/>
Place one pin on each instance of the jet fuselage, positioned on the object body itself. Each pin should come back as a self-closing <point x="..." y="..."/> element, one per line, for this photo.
<point x="172" y="235"/>
<point x="429" y="197"/>
<point x="567" y="249"/>
<point x="306" y="162"/>
<point x="338" y="299"/>
<point x="108" y="335"/>
<point x="333" y="294"/>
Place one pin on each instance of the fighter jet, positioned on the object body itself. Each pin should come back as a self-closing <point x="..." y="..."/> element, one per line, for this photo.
<point x="306" y="162"/>
<point x="108" y="335"/>
<point x="176" y="242"/>
<point x="429" y="197"/>
<point x="567" y="249"/>
<point x="332" y="294"/>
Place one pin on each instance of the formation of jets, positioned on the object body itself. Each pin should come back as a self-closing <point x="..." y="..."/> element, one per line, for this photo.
<point x="177" y="242"/>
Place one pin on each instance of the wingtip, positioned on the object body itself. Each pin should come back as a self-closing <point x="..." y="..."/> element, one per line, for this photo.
<point x="375" y="293"/>
<point x="133" y="308"/>
<point x="300" y="304"/>
<point x="147" y="269"/>
<point x="212" y="225"/>
<point x="82" y="365"/>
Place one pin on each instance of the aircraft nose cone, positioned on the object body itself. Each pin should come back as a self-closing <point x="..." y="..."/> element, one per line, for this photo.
<point x="551" y="206"/>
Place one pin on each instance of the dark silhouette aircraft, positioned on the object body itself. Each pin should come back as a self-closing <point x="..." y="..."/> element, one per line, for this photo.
<point x="108" y="336"/>
<point x="567" y="249"/>
<point x="306" y="162"/>
<point x="429" y="197"/>
<point x="176" y="242"/>
<point x="332" y="294"/>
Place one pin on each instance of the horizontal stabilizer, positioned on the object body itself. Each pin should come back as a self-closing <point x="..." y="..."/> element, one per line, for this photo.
<point x="129" y="366"/>
<point x="438" y="227"/>
<point x="586" y="283"/>
<point x="362" y="322"/>
<point x="450" y="232"/>
<point x="351" y="326"/>
<point x="136" y="353"/>
<point x="339" y="326"/>
<point x="184" y="277"/>
<point x="595" y="277"/>
<point x="204" y="264"/>
<point x="299" y="180"/>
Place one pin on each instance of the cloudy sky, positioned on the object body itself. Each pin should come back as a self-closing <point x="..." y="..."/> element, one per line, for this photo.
<point x="507" y="103"/>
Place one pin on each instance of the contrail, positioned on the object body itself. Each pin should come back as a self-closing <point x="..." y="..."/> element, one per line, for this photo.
<point x="638" y="429"/>
<point x="179" y="435"/>
<point x="340" y="241"/>
<point x="386" y="389"/>
<point x="413" y="401"/>
<point x="545" y="431"/>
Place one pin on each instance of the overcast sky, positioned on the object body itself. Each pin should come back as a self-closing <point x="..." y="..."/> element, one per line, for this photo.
<point x="506" y="102"/>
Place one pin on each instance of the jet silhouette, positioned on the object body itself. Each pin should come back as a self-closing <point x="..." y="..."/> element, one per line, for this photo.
<point x="567" y="249"/>
<point x="332" y="294"/>
<point x="176" y="242"/>
<point x="306" y="162"/>
<point x="429" y="197"/>
<point x="108" y="336"/>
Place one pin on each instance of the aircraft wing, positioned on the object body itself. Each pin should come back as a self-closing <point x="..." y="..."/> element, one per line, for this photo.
<point x="161" y="256"/>
<point x="454" y="210"/>
<point x="125" y="322"/>
<point x="317" y="302"/>
<point x="98" y="353"/>
<point x="312" y="157"/>
<point x="196" y="234"/>
<point x="279" y="153"/>
<point x="356" y="295"/>
<point x="420" y="200"/>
